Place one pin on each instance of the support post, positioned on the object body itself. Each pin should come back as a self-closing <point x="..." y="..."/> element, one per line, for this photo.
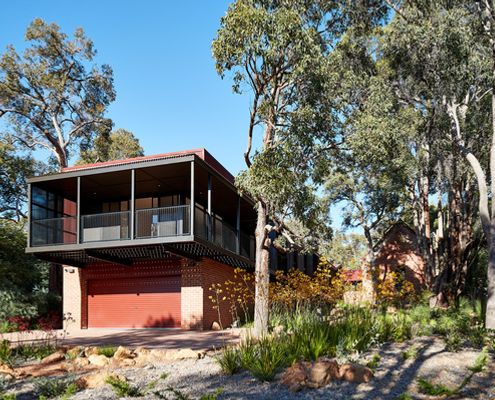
<point x="193" y="202"/>
<point x="30" y="210"/>
<point x="209" y="224"/>
<point x="238" y="225"/>
<point x="78" y="211"/>
<point x="132" y="203"/>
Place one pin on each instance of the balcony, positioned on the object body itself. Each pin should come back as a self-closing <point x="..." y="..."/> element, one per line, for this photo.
<point x="141" y="211"/>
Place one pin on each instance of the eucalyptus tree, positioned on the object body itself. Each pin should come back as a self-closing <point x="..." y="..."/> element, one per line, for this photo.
<point x="53" y="95"/>
<point x="118" y="145"/>
<point x="277" y="51"/>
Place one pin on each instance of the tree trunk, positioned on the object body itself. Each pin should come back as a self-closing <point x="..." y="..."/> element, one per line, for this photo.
<point x="262" y="274"/>
<point x="369" y="270"/>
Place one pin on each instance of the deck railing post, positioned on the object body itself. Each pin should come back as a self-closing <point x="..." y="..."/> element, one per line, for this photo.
<point x="209" y="225"/>
<point x="193" y="202"/>
<point x="132" y="204"/>
<point x="78" y="211"/>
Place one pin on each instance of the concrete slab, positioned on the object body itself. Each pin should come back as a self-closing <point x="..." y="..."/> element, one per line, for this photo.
<point x="149" y="338"/>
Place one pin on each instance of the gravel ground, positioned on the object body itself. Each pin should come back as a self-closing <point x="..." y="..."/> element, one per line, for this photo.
<point x="393" y="377"/>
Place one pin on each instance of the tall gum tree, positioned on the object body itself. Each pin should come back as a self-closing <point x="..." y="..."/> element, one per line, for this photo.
<point x="53" y="96"/>
<point x="277" y="50"/>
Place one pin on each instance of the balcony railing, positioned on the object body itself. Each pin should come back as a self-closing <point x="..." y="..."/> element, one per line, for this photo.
<point x="149" y="223"/>
<point x="105" y="226"/>
<point x="50" y="231"/>
<point x="163" y="222"/>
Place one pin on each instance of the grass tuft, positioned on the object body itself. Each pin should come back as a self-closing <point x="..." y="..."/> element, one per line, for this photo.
<point x="107" y="351"/>
<point x="123" y="388"/>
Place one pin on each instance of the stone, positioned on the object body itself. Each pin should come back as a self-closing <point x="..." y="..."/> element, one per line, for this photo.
<point x="296" y="376"/>
<point x="98" y="360"/>
<point x="89" y="351"/>
<point x="186" y="353"/>
<point x="53" y="358"/>
<point x="6" y="371"/>
<point x="355" y="373"/>
<point x="322" y="372"/>
<point x="215" y="326"/>
<point x="123" y="353"/>
<point x="74" y="352"/>
<point x="95" y="380"/>
<point x="81" y="362"/>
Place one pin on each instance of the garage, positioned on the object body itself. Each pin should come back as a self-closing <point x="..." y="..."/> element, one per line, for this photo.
<point x="141" y="302"/>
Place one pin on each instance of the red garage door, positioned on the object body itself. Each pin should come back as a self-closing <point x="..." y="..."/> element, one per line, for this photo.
<point x="152" y="302"/>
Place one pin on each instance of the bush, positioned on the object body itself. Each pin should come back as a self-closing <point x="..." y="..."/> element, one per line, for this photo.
<point x="107" y="351"/>
<point x="263" y="358"/>
<point x="50" y="388"/>
<point x="229" y="360"/>
<point x="5" y="352"/>
<point x="123" y="388"/>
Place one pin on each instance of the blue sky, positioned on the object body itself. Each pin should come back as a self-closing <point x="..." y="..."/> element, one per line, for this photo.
<point x="168" y="92"/>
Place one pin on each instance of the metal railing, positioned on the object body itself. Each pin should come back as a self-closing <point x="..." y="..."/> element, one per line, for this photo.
<point x="219" y="232"/>
<point x="105" y="226"/>
<point x="163" y="222"/>
<point x="50" y="231"/>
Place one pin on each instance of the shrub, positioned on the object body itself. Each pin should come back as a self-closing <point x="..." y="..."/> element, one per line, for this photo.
<point x="123" y="388"/>
<point x="411" y="352"/>
<point x="432" y="389"/>
<point x="229" y="360"/>
<point x="263" y="358"/>
<point x="51" y="388"/>
<point x="374" y="362"/>
<point x="212" y="396"/>
<point x="453" y="341"/>
<point x="8" y="396"/>
<point x="5" y="352"/>
<point x="107" y="351"/>
<point x="33" y="351"/>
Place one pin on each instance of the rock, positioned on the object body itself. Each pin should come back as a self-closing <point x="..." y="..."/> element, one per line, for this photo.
<point x="6" y="371"/>
<point x="53" y="358"/>
<point x="89" y="351"/>
<point x="98" y="360"/>
<point x="141" y="350"/>
<point x="123" y="353"/>
<point x="355" y="373"/>
<point x="322" y="372"/>
<point x="95" y="380"/>
<point x="186" y="353"/>
<point x="74" y="352"/>
<point x="215" y="326"/>
<point x="296" y="376"/>
<point x="81" y="362"/>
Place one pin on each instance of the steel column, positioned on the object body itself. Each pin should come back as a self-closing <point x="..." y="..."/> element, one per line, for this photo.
<point x="209" y="226"/>
<point x="193" y="202"/>
<point x="132" y="203"/>
<point x="238" y="225"/>
<point x="78" y="211"/>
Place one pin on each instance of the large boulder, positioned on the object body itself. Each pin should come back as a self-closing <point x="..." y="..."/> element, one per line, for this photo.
<point x="215" y="326"/>
<point x="98" y="360"/>
<point x="123" y="353"/>
<point x="89" y="351"/>
<point x="81" y="362"/>
<point x="95" y="380"/>
<point x="355" y="373"/>
<point x="322" y="372"/>
<point x="296" y="376"/>
<point x="74" y="352"/>
<point x="53" y="358"/>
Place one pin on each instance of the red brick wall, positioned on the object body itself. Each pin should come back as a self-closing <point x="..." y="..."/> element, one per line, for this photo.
<point x="215" y="272"/>
<point x="400" y="250"/>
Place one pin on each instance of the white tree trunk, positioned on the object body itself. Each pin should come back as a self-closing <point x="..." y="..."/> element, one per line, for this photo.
<point x="262" y="275"/>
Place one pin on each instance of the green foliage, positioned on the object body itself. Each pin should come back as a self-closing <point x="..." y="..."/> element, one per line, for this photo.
<point x="410" y="353"/>
<point x="481" y="362"/>
<point x="5" y="352"/>
<point x="229" y="360"/>
<point x="57" y="74"/>
<point x="107" y="351"/>
<point x="265" y="358"/>
<point x="123" y="388"/>
<point x="374" y="362"/>
<point x="119" y="145"/>
<point x="49" y="388"/>
<point x="8" y="396"/>
<point x="432" y="389"/>
<point x="346" y="250"/>
<point x="404" y="396"/>
<point x="33" y="351"/>
<point x="212" y="396"/>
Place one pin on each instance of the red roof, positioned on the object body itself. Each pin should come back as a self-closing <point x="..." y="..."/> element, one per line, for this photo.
<point x="353" y="275"/>
<point x="200" y="153"/>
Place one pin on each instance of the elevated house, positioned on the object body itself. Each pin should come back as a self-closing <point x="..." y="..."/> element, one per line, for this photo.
<point x="142" y="240"/>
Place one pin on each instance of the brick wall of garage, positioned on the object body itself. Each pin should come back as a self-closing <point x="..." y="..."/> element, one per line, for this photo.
<point x="215" y="272"/>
